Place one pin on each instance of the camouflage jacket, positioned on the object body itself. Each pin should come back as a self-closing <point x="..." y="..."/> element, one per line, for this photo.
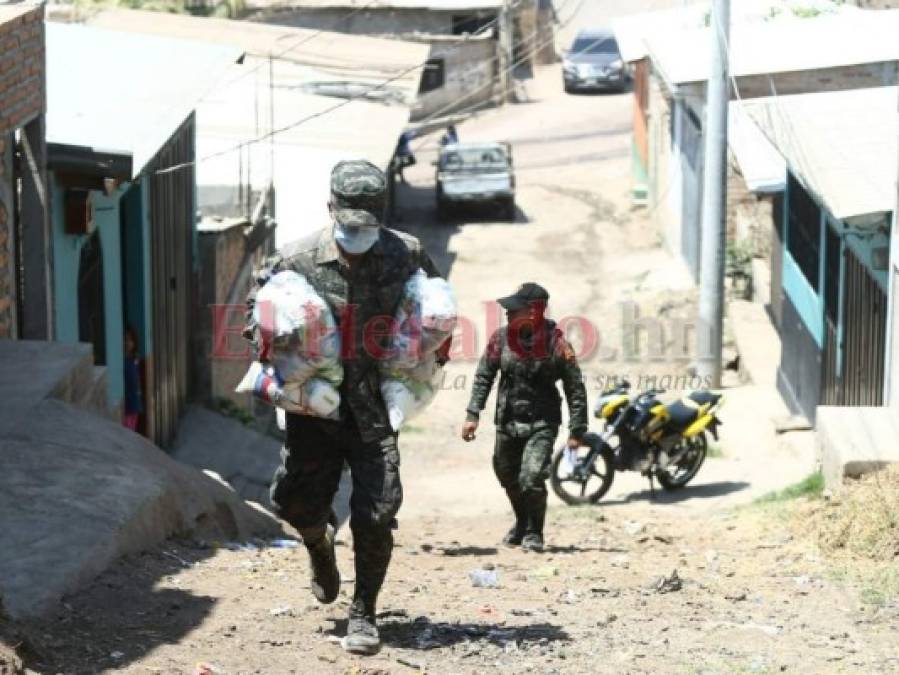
<point x="369" y="289"/>
<point x="527" y="392"/>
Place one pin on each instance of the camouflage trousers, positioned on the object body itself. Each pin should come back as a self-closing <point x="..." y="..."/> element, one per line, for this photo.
<point x="521" y="458"/>
<point x="304" y="486"/>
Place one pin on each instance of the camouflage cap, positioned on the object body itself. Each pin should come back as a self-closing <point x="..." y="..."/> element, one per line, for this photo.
<point x="358" y="193"/>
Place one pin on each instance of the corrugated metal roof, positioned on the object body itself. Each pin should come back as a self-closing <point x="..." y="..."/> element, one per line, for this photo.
<point x="336" y="56"/>
<point x="122" y="92"/>
<point x="435" y="5"/>
<point x="851" y="37"/>
<point x="633" y="32"/>
<point x="762" y="166"/>
<point x="842" y="145"/>
<point x="303" y="156"/>
<point x="237" y="112"/>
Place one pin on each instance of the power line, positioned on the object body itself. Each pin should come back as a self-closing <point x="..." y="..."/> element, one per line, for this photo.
<point x="309" y="118"/>
<point x="495" y="79"/>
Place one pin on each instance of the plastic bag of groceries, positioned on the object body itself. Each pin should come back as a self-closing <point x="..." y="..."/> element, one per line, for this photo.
<point x="408" y="391"/>
<point x="425" y="318"/>
<point x="300" y="348"/>
<point x="315" y="396"/>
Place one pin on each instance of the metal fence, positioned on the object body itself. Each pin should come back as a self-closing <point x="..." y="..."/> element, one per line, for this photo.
<point x="171" y="214"/>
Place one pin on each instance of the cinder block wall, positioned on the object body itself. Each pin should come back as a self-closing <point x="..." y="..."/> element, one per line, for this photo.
<point x="22" y="98"/>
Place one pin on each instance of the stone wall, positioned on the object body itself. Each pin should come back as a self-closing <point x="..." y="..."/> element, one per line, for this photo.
<point x="22" y="99"/>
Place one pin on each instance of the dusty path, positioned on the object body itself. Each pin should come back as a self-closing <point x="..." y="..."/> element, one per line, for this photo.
<point x="751" y="597"/>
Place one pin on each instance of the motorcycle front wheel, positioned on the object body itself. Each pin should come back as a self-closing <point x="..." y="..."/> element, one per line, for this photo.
<point x="572" y="482"/>
<point x="677" y="474"/>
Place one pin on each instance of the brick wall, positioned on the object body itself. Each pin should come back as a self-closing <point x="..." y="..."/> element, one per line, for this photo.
<point x="22" y="98"/>
<point x="22" y="85"/>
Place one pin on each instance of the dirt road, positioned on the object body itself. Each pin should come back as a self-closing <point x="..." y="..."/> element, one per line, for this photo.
<point x="749" y="594"/>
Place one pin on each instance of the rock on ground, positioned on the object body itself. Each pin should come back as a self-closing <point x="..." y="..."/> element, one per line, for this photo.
<point x="78" y="491"/>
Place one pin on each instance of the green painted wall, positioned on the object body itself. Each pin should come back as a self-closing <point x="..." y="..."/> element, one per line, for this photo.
<point x="66" y="258"/>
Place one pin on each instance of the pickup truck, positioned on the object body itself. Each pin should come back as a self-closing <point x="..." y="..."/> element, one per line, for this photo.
<point x="476" y="173"/>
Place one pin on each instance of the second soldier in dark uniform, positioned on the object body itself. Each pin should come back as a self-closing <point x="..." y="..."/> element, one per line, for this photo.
<point x="531" y="355"/>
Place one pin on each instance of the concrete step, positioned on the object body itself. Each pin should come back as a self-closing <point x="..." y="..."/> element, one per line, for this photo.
<point x="77" y="380"/>
<point x="93" y="398"/>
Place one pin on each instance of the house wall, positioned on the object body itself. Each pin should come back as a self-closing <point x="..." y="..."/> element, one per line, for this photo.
<point x="66" y="259"/>
<point x="227" y="259"/>
<point x="892" y="393"/>
<point x="373" y="21"/>
<point x="546" y="31"/>
<point x="663" y="173"/>
<point x="840" y="78"/>
<point x="799" y="373"/>
<point x="22" y="100"/>
<point x="470" y="70"/>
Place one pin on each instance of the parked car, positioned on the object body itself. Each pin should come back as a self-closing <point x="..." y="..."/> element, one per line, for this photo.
<point x="476" y="173"/>
<point x="594" y="62"/>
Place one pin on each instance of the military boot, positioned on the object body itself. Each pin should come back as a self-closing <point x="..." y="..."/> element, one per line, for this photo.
<point x="373" y="548"/>
<point x="519" y="529"/>
<point x="533" y="539"/>
<point x="362" y="635"/>
<point x="325" y="582"/>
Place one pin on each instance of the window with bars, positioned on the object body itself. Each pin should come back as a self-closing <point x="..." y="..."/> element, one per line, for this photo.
<point x="803" y="231"/>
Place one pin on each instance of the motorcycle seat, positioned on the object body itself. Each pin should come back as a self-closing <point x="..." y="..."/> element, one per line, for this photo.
<point x="681" y="415"/>
<point x="704" y="396"/>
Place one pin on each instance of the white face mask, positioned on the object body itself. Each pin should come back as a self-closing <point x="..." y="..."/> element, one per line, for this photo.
<point x="355" y="240"/>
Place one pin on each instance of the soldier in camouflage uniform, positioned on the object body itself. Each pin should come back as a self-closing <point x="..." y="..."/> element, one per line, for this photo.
<point x="360" y="269"/>
<point x="531" y="355"/>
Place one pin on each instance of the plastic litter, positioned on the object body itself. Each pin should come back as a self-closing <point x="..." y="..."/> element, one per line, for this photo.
<point x="484" y="578"/>
<point x="284" y="543"/>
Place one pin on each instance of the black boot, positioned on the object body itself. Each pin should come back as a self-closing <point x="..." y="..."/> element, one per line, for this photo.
<point x="533" y="539"/>
<point x="373" y="548"/>
<point x="362" y="635"/>
<point x="325" y="583"/>
<point x="519" y="529"/>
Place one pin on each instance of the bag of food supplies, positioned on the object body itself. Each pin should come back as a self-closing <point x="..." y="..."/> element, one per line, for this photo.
<point x="408" y="391"/>
<point x="315" y="396"/>
<point x="299" y="346"/>
<point x="425" y="318"/>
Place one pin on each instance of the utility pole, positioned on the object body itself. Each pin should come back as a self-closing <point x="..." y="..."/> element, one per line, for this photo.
<point x="714" y="198"/>
<point x="505" y="27"/>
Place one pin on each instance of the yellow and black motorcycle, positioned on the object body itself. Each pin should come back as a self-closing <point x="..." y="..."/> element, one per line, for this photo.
<point x="662" y="441"/>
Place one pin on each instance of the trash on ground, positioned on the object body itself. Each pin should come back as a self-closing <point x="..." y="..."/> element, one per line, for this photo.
<point x="633" y="527"/>
<point x="545" y="572"/>
<point x="484" y="578"/>
<point x="669" y="584"/>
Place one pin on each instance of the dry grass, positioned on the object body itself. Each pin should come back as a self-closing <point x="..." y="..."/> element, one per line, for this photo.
<point x="859" y="533"/>
<point x="864" y="520"/>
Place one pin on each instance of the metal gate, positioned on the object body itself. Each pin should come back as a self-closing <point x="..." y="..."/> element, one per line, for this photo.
<point x="171" y="216"/>
<point x="864" y="336"/>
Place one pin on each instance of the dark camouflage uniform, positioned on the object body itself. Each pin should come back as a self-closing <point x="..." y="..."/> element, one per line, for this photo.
<point x="528" y="408"/>
<point x="315" y="449"/>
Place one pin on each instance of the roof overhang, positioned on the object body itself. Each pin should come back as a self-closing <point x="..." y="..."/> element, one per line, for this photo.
<point x="89" y="162"/>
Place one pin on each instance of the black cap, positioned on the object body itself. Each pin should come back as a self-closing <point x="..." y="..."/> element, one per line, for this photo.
<point x="526" y="294"/>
